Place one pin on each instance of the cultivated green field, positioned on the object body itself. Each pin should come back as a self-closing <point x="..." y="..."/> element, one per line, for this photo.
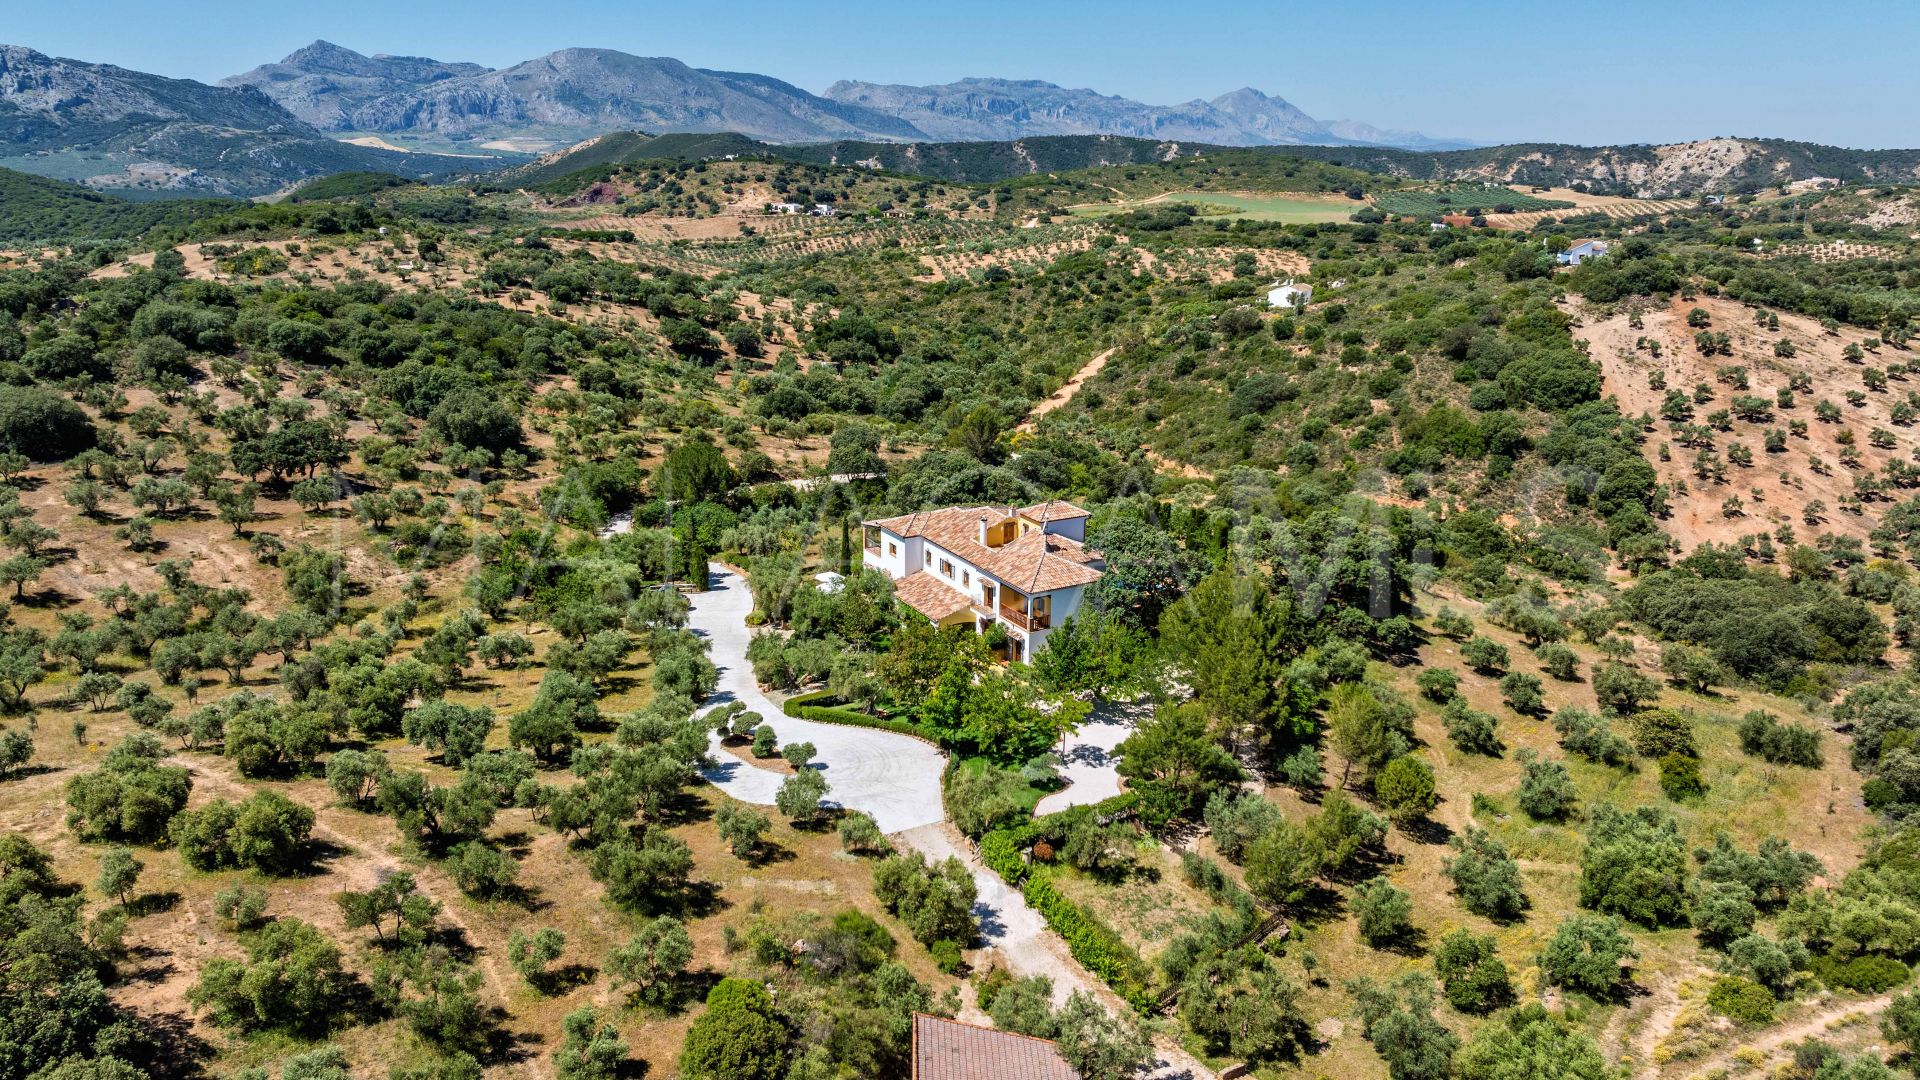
<point x="1458" y="200"/>
<point x="1292" y="210"/>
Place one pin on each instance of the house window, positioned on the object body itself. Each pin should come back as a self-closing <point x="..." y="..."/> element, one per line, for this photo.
<point x="966" y="577"/>
<point x="926" y="558"/>
<point x="946" y="568"/>
<point x="892" y="549"/>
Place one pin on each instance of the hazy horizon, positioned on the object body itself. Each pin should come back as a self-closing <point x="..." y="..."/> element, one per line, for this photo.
<point x="1487" y="72"/>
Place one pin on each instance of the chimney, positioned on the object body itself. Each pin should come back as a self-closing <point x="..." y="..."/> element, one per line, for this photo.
<point x="983" y="531"/>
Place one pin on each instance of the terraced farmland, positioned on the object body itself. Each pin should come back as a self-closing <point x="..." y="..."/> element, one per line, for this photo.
<point x="1619" y="209"/>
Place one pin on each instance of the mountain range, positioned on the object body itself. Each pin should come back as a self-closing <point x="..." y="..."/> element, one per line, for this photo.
<point x="560" y="97"/>
<point x="326" y="109"/>
<point x="144" y="134"/>
<point x="1002" y="109"/>
<point x="576" y="93"/>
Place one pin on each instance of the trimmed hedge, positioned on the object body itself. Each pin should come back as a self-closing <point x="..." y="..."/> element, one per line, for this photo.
<point x="802" y="707"/>
<point x="1001" y="853"/>
<point x="1090" y="941"/>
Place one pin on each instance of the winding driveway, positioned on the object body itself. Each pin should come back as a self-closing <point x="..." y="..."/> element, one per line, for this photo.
<point x="895" y="778"/>
<point x="1088" y="763"/>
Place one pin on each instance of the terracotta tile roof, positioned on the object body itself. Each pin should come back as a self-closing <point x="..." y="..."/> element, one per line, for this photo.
<point x="929" y="596"/>
<point x="1035" y="562"/>
<point x="950" y="1050"/>
<point x="1055" y="510"/>
<point x="1038" y="562"/>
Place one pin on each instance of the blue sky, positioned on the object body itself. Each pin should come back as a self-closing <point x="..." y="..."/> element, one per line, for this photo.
<point x="1839" y="72"/>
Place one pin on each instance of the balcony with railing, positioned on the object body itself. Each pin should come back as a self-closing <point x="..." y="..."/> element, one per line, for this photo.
<point x="1025" y="621"/>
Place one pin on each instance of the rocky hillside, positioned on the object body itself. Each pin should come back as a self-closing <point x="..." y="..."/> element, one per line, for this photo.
<point x="128" y="131"/>
<point x="1717" y="165"/>
<point x="1678" y="169"/>
<point x="48" y="103"/>
<point x="575" y="93"/>
<point x="324" y="83"/>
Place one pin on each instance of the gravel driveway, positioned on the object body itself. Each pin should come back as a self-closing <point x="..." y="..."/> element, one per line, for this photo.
<point x="1088" y="763"/>
<point x="895" y="778"/>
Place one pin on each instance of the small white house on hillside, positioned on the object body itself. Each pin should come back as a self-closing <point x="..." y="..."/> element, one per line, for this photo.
<point x="1581" y="252"/>
<point x="1285" y="294"/>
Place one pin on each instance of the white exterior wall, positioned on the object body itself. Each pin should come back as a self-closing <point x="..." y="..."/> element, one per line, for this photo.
<point x="917" y="553"/>
<point x="1074" y="528"/>
<point x="904" y="561"/>
<point x="965" y="576"/>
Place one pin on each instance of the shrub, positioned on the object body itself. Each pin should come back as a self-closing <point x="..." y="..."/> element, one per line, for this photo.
<point x="1680" y="777"/>
<point x="1485" y="877"/>
<point x="1765" y="737"/>
<point x="1558" y="661"/>
<point x="1301" y="769"/>
<point x="291" y="980"/>
<point x="1866" y="974"/>
<point x="1522" y="692"/>
<point x="268" y="832"/>
<point x="1485" y="654"/>
<point x="739" y="1037"/>
<point x="1546" y="791"/>
<point x="1741" y="1000"/>
<point x="42" y="424"/>
<point x="1385" y="913"/>
<point x="131" y="798"/>
<point x="1091" y="942"/>
<point x="982" y="800"/>
<point x="1405" y="788"/>
<point x="1439" y="684"/>
<point x="1659" y="732"/>
<point x="1585" y="954"/>
<point x="1621" y="689"/>
<point x="1473" y="731"/>
<point x="1204" y="874"/>
<point x="1471" y="972"/>
<point x="934" y="900"/>
<point x="1635" y="865"/>
<point x="823" y="707"/>
<point x="1585" y="734"/>
<point x="860" y="834"/>
<point x="1721" y="911"/>
<point x="764" y="744"/>
<point x="481" y="871"/>
<point x="1237" y="819"/>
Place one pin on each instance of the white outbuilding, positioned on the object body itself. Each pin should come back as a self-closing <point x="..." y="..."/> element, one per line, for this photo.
<point x="1285" y="294"/>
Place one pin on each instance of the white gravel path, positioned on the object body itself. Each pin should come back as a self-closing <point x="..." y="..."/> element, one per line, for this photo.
<point x="896" y="778"/>
<point x="1088" y="762"/>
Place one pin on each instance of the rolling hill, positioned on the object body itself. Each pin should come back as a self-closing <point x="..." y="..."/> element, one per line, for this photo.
<point x="41" y="210"/>
<point x="1679" y="169"/>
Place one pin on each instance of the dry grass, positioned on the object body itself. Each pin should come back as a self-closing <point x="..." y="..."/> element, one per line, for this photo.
<point x="1786" y="480"/>
<point x="1818" y="810"/>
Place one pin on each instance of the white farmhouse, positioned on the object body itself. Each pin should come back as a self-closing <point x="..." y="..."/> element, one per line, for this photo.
<point x="1286" y="294"/>
<point x="1025" y="568"/>
<point x="1581" y="252"/>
